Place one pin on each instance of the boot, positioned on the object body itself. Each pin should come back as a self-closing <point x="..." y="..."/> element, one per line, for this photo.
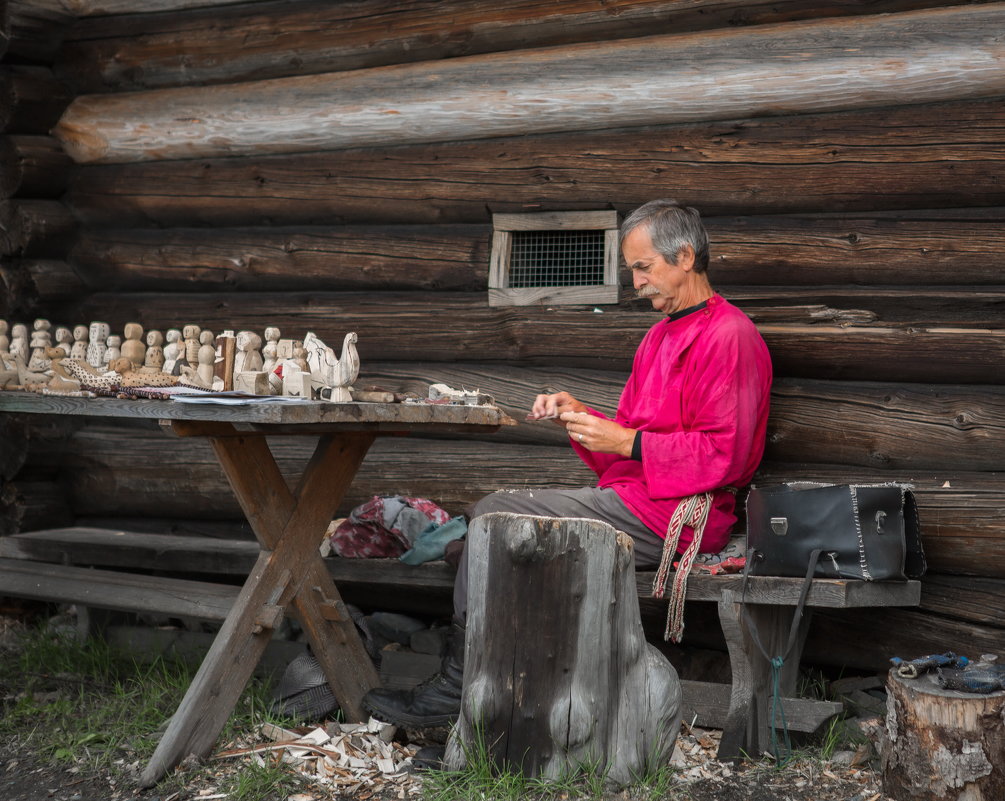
<point x="435" y="702"/>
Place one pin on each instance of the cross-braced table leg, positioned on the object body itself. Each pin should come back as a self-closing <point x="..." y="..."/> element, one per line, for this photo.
<point x="289" y="572"/>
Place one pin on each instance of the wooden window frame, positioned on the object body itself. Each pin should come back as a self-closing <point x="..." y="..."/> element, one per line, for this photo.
<point x="502" y="242"/>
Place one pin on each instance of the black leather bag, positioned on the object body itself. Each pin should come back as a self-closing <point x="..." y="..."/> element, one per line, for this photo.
<point x="861" y="531"/>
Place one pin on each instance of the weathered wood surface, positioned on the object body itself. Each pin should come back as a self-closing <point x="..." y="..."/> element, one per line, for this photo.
<point x="112" y="472"/>
<point x="915" y="57"/>
<point x="315" y="414"/>
<point x="565" y="679"/>
<point x="109" y="589"/>
<point x="247" y="42"/>
<point x="424" y="326"/>
<point x="32" y="166"/>
<point x="942" y="745"/>
<point x="35" y="228"/>
<point x="754" y="251"/>
<point x="31" y="99"/>
<point x="286" y="259"/>
<point x="907" y="157"/>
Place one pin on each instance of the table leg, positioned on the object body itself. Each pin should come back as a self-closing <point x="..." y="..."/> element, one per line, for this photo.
<point x="289" y="570"/>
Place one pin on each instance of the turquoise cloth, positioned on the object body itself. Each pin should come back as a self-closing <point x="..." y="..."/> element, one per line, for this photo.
<point x="432" y="541"/>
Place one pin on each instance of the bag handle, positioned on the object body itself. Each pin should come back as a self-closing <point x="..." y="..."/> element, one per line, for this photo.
<point x="778" y="661"/>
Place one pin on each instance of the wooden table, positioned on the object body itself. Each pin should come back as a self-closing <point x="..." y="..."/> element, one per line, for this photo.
<point x="289" y="574"/>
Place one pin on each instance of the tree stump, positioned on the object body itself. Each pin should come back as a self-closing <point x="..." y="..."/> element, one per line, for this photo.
<point x="943" y="745"/>
<point x="558" y="674"/>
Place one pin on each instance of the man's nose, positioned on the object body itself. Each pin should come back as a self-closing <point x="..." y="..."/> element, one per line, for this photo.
<point x="638" y="280"/>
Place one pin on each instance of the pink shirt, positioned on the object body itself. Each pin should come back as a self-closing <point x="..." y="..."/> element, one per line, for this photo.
<point x="699" y="393"/>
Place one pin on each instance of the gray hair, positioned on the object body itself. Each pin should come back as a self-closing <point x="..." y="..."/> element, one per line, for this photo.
<point x="671" y="226"/>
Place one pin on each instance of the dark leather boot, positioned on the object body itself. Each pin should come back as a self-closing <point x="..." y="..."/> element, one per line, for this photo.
<point x="435" y="702"/>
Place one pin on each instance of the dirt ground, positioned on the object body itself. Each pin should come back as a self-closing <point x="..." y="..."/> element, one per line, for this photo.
<point x="24" y="778"/>
<point x="848" y="775"/>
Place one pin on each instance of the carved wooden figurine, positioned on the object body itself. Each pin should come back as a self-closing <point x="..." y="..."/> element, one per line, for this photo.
<point x="248" y="359"/>
<point x="133" y="347"/>
<point x="64" y="340"/>
<point x="19" y="340"/>
<point x="113" y="348"/>
<point x="191" y="335"/>
<point x="41" y="340"/>
<point x="79" y="349"/>
<point x="206" y="357"/>
<point x="331" y="376"/>
<point x="153" y="359"/>
<point x="98" y="335"/>
<point x="172" y="350"/>
<point x="4" y="339"/>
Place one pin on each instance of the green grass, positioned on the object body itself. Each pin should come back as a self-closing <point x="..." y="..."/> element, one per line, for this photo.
<point x="482" y="779"/>
<point x="88" y="706"/>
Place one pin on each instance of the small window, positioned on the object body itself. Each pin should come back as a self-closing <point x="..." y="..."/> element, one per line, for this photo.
<point x="554" y="257"/>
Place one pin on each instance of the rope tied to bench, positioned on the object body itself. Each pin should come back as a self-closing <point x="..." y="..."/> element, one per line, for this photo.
<point x="691" y="511"/>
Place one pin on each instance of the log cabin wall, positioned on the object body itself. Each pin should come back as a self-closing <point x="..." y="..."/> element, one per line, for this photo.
<point x="334" y="166"/>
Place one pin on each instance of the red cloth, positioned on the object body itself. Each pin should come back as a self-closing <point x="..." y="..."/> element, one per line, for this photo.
<point x="699" y="392"/>
<point x="366" y="533"/>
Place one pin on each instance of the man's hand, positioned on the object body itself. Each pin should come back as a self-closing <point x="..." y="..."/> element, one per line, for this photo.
<point x="599" y="435"/>
<point x="550" y="407"/>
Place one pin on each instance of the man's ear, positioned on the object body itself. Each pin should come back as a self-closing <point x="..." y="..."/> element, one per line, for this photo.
<point x="685" y="258"/>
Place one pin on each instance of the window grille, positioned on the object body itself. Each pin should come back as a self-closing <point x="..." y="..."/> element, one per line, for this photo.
<point x="560" y="257"/>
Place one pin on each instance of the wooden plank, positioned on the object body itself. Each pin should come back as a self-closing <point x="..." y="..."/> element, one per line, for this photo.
<point x="285" y="259"/>
<point x="37" y="28"/>
<point x="227" y="43"/>
<point x="706" y="704"/>
<point x="107" y="589"/>
<point x="427" y="327"/>
<point x="915" y="57"/>
<point x="904" y="157"/>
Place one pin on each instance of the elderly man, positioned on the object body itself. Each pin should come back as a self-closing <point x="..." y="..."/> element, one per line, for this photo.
<point x="689" y="428"/>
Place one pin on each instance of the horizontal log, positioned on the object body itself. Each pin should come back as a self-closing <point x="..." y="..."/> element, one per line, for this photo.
<point x="842" y="638"/>
<point x="349" y="257"/>
<point x="33" y="166"/>
<point x="424" y="326"/>
<point x="895" y="248"/>
<point x="881" y="426"/>
<point x="907" y="157"/>
<point x="102" y="8"/>
<point x="915" y="57"/>
<point x="268" y="40"/>
<point x="35" y="228"/>
<point x="31" y="99"/>
<point x="757" y="251"/>
<point x="113" y="471"/>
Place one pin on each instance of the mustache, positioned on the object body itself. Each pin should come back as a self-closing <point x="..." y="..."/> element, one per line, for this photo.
<point x="646" y="292"/>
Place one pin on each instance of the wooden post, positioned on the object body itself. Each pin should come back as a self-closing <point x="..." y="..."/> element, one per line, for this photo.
<point x="558" y="674"/>
<point x="943" y="745"/>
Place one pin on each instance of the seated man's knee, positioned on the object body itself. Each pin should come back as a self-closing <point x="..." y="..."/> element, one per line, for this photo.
<point x="500" y="501"/>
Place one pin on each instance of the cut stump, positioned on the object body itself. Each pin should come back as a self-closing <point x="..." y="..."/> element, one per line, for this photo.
<point x="558" y="674"/>
<point x="943" y="745"/>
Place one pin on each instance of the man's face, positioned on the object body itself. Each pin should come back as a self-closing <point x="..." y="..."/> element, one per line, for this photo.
<point x="653" y="276"/>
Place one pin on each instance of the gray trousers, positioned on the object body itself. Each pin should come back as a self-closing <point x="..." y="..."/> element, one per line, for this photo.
<point x="592" y="503"/>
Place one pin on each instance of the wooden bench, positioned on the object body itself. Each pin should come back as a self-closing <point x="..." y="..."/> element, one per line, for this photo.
<point x="72" y="565"/>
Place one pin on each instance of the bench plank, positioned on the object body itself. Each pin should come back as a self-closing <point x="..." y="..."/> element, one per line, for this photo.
<point x="172" y="552"/>
<point x="108" y="589"/>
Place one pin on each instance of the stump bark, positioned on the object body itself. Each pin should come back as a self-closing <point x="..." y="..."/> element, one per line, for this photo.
<point x="558" y="674"/>
<point x="943" y="745"/>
